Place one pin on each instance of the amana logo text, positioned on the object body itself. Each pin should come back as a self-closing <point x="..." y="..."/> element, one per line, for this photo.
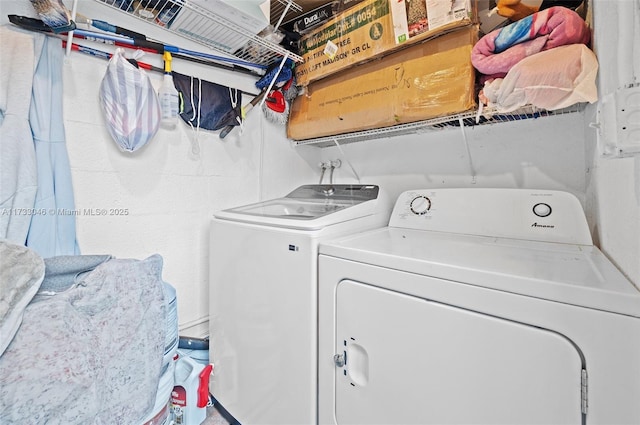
<point x="549" y="226"/>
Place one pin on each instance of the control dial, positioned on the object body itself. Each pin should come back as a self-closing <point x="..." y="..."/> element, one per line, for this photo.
<point x="542" y="210"/>
<point x="420" y="205"/>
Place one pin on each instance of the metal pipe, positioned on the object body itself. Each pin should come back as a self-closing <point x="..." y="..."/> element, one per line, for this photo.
<point x="323" y="167"/>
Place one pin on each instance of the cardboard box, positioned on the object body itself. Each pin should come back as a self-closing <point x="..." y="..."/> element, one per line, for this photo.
<point x="373" y="28"/>
<point x="310" y="19"/>
<point x="306" y="22"/>
<point x="428" y="80"/>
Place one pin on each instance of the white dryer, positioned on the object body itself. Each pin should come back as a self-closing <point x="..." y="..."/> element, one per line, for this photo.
<point x="263" y="297"/>
<point x="477" y="306"/>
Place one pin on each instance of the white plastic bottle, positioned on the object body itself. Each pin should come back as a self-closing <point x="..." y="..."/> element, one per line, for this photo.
<point x="168" y="96"/>
<point x="190" y="393"/>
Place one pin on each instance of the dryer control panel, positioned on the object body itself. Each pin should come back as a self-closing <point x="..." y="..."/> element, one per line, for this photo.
<point x="541" y="215"/>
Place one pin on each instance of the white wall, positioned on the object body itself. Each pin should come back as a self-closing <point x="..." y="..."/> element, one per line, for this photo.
<point x="613" y="186"/>
<point x="169" y="193"/>
<point x="545" y="153"/>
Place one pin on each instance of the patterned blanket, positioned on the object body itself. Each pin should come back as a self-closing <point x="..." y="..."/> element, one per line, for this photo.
<point x="91" y="354"/>
<point x="497" y="52"/>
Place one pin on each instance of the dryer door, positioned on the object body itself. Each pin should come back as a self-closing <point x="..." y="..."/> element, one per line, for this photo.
<point x="408" y="360"/>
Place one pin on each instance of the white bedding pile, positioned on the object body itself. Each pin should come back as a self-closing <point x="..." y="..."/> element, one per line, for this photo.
<point x="21" y="273"/>
<point x="91" y="354"/>
<point x="553" y="79"/>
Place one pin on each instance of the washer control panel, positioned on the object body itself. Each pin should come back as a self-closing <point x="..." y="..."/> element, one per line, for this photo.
<point x="542" y="209"/>
<point x="420" y="205"/>
<point x="543" y="215"/>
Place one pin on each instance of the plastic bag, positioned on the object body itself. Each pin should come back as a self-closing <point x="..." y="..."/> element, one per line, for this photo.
<point x="130" y="104"/>
<point x="553" y="79"/>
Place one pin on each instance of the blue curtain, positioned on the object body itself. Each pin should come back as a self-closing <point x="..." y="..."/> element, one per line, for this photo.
<point x="52" y="230"/>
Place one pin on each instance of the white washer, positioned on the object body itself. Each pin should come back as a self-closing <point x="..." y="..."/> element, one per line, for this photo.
<point x="263" y="297"/>
<point x="477" y="306"/>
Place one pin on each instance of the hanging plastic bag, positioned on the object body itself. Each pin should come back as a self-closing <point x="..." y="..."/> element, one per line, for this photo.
<point x="130" y="104"/>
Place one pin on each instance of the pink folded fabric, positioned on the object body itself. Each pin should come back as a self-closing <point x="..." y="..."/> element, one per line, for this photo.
<point x="497" y="52"/>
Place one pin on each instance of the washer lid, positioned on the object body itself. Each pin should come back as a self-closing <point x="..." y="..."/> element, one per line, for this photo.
<point x="568" y="273"/>
<point x="293" y="209"/>
<point x="310" y="207"/>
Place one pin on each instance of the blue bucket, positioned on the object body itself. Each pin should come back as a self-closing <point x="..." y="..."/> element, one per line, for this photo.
<point x="196" y="348"/>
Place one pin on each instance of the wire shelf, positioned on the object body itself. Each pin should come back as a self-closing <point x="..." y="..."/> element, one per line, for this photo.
<point x="283" y="11"/>
<point x="238" y="37"/>
<point x="468" y="119"/>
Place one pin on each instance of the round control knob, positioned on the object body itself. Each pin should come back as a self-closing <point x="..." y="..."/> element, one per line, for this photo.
<point x="420" y="205"/>
<point x="542" y="210"/>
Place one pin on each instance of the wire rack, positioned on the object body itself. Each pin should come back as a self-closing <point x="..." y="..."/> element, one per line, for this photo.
<point x="226" y="30"/>
<point x="283" y="11"/>
<point x="467" y="119"/>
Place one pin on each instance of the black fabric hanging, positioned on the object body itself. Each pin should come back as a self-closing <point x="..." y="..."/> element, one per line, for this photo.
<point x="207" y="105"/>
